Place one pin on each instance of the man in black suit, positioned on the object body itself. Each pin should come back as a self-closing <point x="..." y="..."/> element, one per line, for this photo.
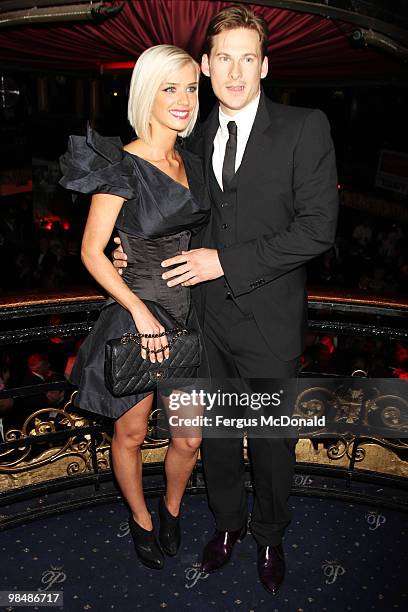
<point x="271" y="174"/>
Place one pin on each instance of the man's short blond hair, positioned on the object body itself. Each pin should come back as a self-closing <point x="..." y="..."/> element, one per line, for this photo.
<point x="235" y="17"/>
<point x="151" y="70"/>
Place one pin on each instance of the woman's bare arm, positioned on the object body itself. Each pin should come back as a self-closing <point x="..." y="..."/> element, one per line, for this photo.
<point x="101" y="220"/>
<point x="98" y="230"/>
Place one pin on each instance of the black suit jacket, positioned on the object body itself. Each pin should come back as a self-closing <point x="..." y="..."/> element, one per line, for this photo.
<point x="287" y="206"/>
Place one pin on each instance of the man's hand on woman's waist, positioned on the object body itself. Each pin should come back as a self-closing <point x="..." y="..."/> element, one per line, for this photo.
<point x="193" y="267"/>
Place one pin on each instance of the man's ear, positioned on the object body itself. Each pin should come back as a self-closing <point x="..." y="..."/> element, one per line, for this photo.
<point x="264" y="67"/>
<point x="205" y="65"/>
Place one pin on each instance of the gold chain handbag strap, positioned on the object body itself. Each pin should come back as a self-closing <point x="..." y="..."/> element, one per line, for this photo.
<point x="177" y="331"/>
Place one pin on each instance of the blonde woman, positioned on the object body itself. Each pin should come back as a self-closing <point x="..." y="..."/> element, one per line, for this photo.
<point x="153" y="194"/>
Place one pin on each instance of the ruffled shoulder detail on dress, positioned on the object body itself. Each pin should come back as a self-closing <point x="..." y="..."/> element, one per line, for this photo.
<point x="98" y="164"/>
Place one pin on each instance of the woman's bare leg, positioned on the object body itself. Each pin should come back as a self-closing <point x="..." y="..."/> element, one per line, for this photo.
<point x="180" y="459"/>
<point x="181" y="455"/>
<point x="128" y="437"/>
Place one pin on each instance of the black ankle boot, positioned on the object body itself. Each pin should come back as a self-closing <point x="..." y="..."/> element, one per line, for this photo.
<point x="146" y="545"/>
<point x="169" y="534"/>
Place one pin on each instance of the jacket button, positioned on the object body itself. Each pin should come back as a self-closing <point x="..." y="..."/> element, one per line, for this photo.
<point x="224" y="226"/>
<point x="224" y="204"/>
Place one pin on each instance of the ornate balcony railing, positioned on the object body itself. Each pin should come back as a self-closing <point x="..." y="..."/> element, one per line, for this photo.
<point x="58" y="458"/>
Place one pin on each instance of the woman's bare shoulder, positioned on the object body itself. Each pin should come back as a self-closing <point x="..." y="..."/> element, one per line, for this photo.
<point x="134" y="147"/>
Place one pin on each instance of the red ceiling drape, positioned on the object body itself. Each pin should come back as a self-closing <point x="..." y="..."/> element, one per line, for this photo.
<point x="301" y="46"/>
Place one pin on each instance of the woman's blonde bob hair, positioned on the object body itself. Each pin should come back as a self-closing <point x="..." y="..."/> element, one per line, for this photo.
<point x="151" y="70"/>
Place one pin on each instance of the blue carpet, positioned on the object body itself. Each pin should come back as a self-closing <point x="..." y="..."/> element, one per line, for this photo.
<point x="340" y="556"/>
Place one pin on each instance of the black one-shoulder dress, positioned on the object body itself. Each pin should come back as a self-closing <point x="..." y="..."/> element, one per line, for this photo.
<point x="155" y="223"/>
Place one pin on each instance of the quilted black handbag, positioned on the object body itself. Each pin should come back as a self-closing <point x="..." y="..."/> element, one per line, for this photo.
<point x="127" y="373"/>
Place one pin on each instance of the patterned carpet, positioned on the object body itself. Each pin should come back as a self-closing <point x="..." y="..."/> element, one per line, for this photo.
<point x="340" y="556"/>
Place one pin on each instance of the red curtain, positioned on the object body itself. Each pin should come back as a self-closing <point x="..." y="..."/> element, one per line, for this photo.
<point x="301" y="46"/>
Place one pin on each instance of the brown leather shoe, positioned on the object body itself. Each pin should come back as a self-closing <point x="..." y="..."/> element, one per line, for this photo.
<point x="271" y="567"/>
<point x="218" y="550"/>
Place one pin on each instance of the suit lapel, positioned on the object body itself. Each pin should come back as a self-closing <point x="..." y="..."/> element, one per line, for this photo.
<point x="208" y="131"/>
<point x="210" y="128"/>
<point x="253" y="169"/>
<point x="194" y="171"/>
<point x="259" y="142"/>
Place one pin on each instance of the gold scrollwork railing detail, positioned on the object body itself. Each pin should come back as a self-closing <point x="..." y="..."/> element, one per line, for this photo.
<point x="71" y="457"/>
<point x="76" y="448"/>
<point x="369" y="407"/>
<point x="345" y="406"/>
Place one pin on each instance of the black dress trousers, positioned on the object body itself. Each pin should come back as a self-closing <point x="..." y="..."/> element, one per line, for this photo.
<point x="236" y="349"/>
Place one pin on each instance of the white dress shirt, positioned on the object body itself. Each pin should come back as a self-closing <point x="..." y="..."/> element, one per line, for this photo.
<point x="244" y="120"/>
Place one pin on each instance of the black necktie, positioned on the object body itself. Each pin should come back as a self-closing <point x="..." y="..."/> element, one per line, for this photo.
<point x="228" y="167"/>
